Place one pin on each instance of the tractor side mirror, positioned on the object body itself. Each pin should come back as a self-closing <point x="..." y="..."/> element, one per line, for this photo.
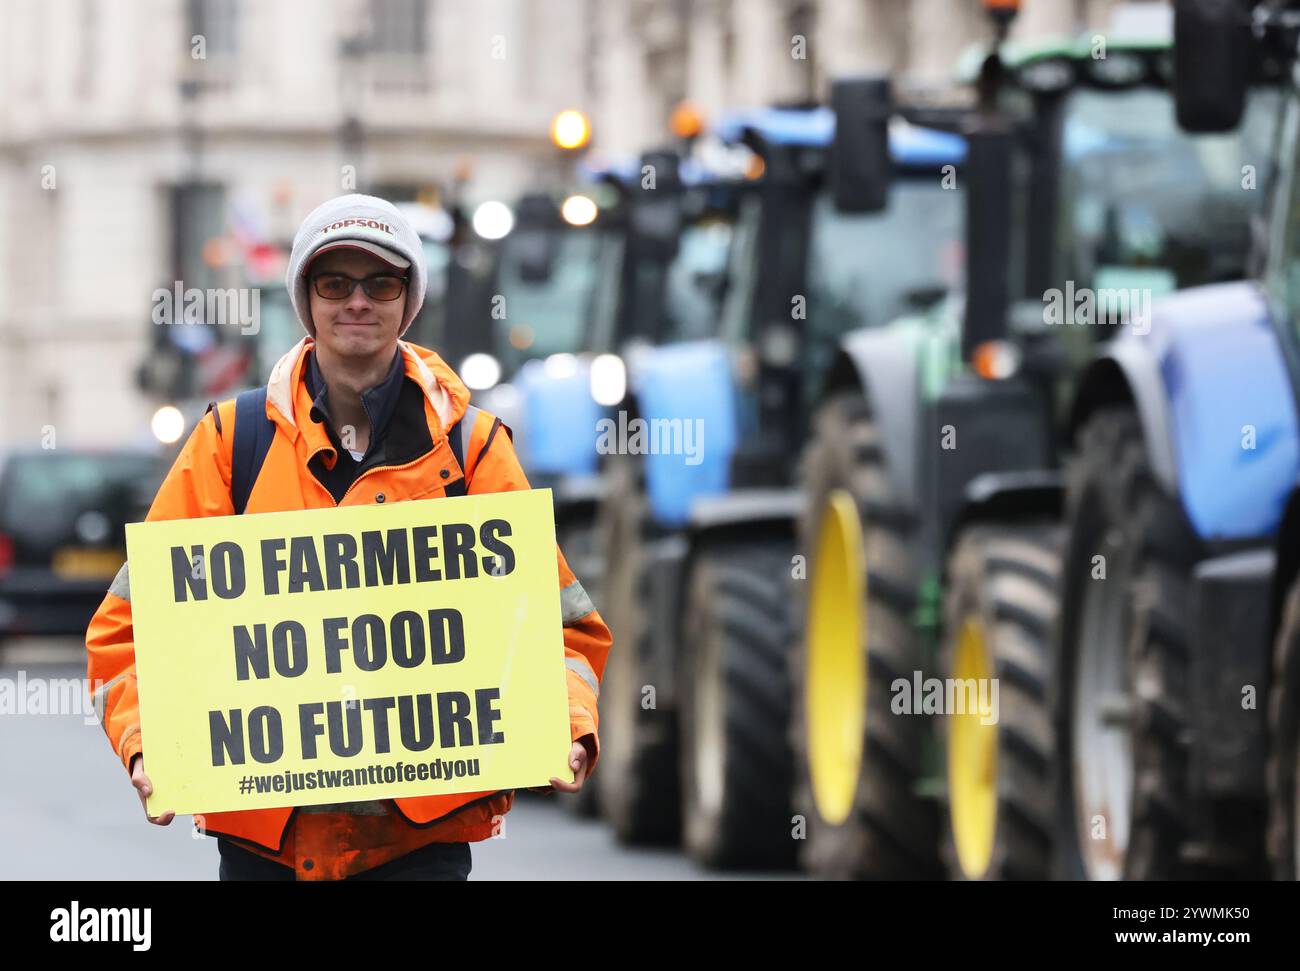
<point x="535" y="250"/>
<point x="1212" y="44"/>
<point x="536" y="238"/>
<point x="860" y="165"/>
<point x="989" y="163"/>
<point x="656" y="213"/>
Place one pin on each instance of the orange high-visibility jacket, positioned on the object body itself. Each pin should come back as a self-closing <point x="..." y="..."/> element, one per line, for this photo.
<point x="199" y="485"/>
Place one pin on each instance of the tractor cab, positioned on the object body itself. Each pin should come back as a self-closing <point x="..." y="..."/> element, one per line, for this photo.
<point x="816" y="251"/>
<point x="1109" y="204"/>
<point x="696" y="522"/>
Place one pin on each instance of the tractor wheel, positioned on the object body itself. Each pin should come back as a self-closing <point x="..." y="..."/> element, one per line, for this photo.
<point x="735" y="706"/>
<point x="999" y="617"/>
<point x="579" y="540"/>
<point x="1284" y="745"/>
<point x="1123" y="728"/>
<point x="857" y="764"/>
<point x="637" y="775"/>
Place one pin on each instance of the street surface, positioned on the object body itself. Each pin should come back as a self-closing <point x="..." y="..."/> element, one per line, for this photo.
<point x="68" y="812"/>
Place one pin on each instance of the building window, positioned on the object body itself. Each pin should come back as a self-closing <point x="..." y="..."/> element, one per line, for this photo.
<point x="398" y="26"/>
<point x="397" y="46"/>
<point x="217" y="23"/>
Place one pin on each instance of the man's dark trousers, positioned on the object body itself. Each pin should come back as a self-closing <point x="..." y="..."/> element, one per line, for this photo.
<point x="435" y="861"/>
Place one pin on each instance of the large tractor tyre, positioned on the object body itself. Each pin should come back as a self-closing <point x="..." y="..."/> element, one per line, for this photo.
<point x="636" y="780"/>
<point x="577" y="538"/>
<point x="1123" y="729"/>
<point x="735" y="706"/>
<point x="1284" y="745"/>
<point x="1000" y="615"/>
<point x="580" y="541"/>
<point x="857" y="764"/>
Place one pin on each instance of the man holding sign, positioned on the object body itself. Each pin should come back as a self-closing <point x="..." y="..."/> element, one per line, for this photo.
<point x="369" y="648"/>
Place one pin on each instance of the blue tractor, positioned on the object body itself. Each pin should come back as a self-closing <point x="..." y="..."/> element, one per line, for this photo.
<point x="577" y="303"/>
<point x="926" y="673"/>
<point x="578" y="300"/>
<point x="1177" y="702"/>
<point x="697" y="525"/>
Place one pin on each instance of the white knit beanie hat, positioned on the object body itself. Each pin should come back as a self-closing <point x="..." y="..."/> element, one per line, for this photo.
<point x="360" y="222"/>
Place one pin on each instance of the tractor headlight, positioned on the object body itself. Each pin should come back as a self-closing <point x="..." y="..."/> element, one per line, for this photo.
<point x="480" y="371"/>
<point x="996" y="360"/>
<point x="608" y="379"/>
<point x="1047" y="76"/>
<point x="1118" y="69"/>
<point x="560" y="367"/>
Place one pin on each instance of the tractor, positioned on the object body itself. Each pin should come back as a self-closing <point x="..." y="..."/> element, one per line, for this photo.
<point x="1177" y="695"/>
<point x="579" y="300"/>
<point x="651" y="269"/>
<point x="933" y="482"/>
<point x="697" y="525"/>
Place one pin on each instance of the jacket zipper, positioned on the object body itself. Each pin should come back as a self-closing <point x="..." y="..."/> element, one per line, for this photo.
<point x="358" y="479"/>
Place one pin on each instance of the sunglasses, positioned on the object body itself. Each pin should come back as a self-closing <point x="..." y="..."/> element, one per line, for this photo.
<point x="339" y="286"/>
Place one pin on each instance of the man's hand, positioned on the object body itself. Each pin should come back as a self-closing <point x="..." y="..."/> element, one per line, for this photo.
<point x="578" y="757"/>
<point x="143" y="787"/>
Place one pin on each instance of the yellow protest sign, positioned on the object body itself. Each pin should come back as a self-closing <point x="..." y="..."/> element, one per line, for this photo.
<point x="363" y="652"/>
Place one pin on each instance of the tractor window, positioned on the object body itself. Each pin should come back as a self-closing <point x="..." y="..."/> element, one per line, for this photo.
<point x="602" y="314"/>
<point x="429" y="326"/>
<point x="547" y="279"/>
<point x="1284" y="269"/>
<point x="696" y="280"/>
<point x="742" y="272"/>
<point x="866" y="269"/>
<point x="1146" y="205"/>
<point x="278" y="330"/>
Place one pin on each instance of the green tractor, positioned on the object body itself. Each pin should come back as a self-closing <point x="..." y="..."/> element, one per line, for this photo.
<point x="933" y="483"/>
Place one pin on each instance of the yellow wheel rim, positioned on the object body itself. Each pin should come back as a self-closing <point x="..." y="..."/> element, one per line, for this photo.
<point x="836" y="682"/>
<point x="972" y="760"/>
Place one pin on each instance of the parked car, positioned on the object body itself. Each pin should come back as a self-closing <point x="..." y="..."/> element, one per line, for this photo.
<point x="63" y="516"/>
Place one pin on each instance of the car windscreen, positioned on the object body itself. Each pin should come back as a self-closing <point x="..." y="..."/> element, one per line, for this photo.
<point x="54" y="499"/>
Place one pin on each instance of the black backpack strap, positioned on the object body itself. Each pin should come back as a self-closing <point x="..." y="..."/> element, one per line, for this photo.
<point x="253" y="434"/>
<point x="216" y="417"/>
<point x="492" y="433"/>
<point x="458" y="436"/>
